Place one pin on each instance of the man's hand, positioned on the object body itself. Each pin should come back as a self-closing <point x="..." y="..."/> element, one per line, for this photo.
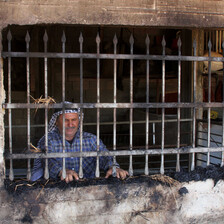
<point x="121" y="174"/>
<point x="70" y="176"/>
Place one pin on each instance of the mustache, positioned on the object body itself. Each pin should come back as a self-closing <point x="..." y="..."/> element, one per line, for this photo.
<point x="67" y="128"/>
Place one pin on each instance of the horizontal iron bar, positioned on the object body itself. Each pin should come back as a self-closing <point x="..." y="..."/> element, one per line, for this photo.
<point x="107" y="123"/>
<point x="114" y="105"/>
<point x="110" y="56"/>
<point x="114" y="153"/>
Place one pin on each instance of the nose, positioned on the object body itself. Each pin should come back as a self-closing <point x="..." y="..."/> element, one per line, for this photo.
<point x="70" y="124"/>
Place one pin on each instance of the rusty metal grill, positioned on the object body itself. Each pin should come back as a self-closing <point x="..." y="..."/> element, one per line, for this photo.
<point x="163" y="105"/>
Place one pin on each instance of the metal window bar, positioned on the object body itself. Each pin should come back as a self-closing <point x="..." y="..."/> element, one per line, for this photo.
<point x="63" y="40"/>
<point x="216" y="139"/>
<point x="81" y="101"/>
<point x="154" y="133"/>
<point x="147" y="42"/>
<point x="98" y="109"/>
<point x="131" y="41"/>
<point x="153" y="122"/>
<point x="209" y="100"/>
<point x="45" y="39"/>
<point x="216" y="37"/>
<point x="27" y="39"/>
<point x="178" y="109"/>
<point x="11" y="174"/>
<point x="139" y="151"/>
<point x="163" y="109"/>
<point x="163" y="105"/>
<point x="115" y="110"/>
<point x="149" y="105"/>
<point x="194" y="109"/>
<point x="222" y="163"/>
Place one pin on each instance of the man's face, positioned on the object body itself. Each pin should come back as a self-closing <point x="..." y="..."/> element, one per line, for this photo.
<point x="71" y="125"/>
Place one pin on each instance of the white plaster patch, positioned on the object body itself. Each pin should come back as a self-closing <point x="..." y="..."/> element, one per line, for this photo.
<point x="202" y="199"/>
<point x="200" y="186"/>
<point x="64" y="212"/>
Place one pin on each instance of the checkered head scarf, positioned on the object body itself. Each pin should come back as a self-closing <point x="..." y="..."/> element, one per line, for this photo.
<point x="52" y="123"/>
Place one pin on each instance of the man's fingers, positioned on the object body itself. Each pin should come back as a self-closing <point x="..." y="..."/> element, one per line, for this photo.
<point x="120" y="174"/>
<point x="70" y="178"/>
<point x="70" y="175"/>
<point x="126" y="173"/>
<point x="109" y="173"/>
<point x="75" y="175"/>
<point x="66" y="179"/>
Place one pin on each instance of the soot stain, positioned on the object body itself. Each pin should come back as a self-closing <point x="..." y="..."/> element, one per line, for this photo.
<point x="199" y="174"/>
<point x="182" y="191"/>
<point x="35" y="210"/>
<point x="155" y="197"/>
<point x="17" y="187"/>
<point x="27" y="219"/>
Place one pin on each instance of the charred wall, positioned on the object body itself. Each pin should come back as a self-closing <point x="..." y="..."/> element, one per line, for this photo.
<point x="156" y="199"/>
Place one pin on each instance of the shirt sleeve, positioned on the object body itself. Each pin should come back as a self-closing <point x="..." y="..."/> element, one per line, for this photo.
<point x="54" y="164"/>
<point x="105" y="162"/>
<point x="37" y="171"/>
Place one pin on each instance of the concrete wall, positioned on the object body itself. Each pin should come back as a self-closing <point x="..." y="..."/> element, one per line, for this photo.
<point x="193" y="13"/>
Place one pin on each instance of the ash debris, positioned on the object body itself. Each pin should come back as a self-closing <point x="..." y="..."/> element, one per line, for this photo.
<point x="199" y="174"/>
<point x="17" y="187"/>
<point x="216" y="173"/>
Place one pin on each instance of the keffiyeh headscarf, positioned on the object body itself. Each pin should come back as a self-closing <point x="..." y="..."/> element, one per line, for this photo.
<point x="52" y="123"/>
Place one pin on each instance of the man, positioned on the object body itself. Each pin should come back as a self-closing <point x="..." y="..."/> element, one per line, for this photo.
<point x="72" y="144"/>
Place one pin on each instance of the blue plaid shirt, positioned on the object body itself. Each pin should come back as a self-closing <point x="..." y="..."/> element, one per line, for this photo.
<point x="72" y="163"/>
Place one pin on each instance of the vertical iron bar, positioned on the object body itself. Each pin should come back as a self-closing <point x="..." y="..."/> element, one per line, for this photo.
<point x="209" y="100"/>
<point x="81" y="101"/>
<point x="98" y="101"/>
<point x="194" y="109"/>
<point x="206" y="39"/>
<point x="147" y="42"/>
<point x="63" y="39"/>
<point x="11" y="173"/>
<point x="222" y="39"/>
<point x="163" y="109"/>
<point x="27" y="39"/>
<point x="114" y="173"/>
<point x="131" y="41"/>
<point x="222" y="162"/>
<point x="46" y="171"/>
<point x="217" y="41"/>
<point x="154" y="133"/>
<point x="178" y="109"/>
